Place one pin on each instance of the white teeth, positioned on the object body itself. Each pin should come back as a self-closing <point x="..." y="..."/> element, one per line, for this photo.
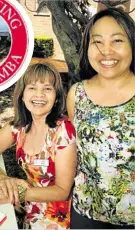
<point x="109" y="62"/>
<point x="39" y="102"/>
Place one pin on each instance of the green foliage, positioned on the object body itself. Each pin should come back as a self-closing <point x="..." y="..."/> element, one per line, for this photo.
<point x="43" y="47"/>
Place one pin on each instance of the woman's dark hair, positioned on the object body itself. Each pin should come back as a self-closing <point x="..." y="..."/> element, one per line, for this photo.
<point x="34" y="73"/>
<point x="124" y="20"/>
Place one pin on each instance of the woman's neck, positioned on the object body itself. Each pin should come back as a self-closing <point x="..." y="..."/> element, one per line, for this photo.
<point x="110" y="92"/>
<point x="117" y="82"/>
<point x="38" y="125"/>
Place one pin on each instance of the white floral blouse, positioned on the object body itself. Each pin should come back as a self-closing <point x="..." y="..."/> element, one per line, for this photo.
<point x="105" y="182"/>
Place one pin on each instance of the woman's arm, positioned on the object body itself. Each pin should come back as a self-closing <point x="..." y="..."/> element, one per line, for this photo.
<point x="65" y="166"/>
<point x="6" y="138"/>
<point x="71" y="102"/>
<point x="9" y="187"/>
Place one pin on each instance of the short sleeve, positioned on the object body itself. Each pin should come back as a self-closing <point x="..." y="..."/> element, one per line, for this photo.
<point x="65" y="134"/>
<point x="18" y="134"/>
<point x="15" y="133"/>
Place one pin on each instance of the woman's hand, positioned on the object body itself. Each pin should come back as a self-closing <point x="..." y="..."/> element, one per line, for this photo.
<point x="9" y="189"/>
<point x="3" y="199"/>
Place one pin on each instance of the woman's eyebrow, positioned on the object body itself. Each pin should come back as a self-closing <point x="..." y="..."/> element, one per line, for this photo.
<point x="31" y="84"/>
<point x="96" y="35"/>
<point x="107" y="35"/>
<point x="118" y="34"/>
<point x="47" y="84"/>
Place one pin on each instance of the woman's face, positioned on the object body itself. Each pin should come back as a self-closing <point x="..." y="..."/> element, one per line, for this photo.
<point x="39" y="98"/>
<point x="109" y="50"/>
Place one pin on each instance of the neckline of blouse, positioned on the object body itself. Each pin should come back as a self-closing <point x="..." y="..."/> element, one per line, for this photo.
<point x="106" y="106"/>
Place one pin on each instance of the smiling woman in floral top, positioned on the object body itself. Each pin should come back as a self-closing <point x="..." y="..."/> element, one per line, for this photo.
<point x="45" y="149"/>
<point x="103" y="113"/>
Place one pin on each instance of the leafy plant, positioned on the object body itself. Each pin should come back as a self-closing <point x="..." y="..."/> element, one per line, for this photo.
<point x="43" y="47"/>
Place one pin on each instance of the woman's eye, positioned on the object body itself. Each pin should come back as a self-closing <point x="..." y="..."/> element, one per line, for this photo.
<point x="48" y="89"/>
<point x="96" y="42"/>
<point x="117" y="40"/>
<point x="31" y="88"/>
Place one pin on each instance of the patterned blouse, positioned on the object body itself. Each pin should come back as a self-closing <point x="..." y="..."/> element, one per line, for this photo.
<point x="52" y="215"/>
<point x="105" y="182"/>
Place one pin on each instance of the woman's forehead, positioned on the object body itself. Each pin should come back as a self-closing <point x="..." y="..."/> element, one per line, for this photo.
<point x="45" y="79"/>
<point x="107" y="26"/>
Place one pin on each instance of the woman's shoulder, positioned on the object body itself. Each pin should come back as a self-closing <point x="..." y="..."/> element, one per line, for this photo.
<point x="64" y="120"/>
<point x="65" y="133"/>
<point x="73" y="91"/>
<point x="16" y="129"/>
<point x="81" y="85"/>
<point x="65" y="125"/>
<point x="73" y="88"/>
<point x="17" y="132"/>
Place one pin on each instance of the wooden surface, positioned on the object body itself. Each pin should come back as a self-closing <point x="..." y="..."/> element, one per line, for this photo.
<point x="60" y="65"/>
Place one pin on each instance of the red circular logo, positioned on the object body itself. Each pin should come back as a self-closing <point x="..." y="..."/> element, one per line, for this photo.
<point x="16" y="29"/>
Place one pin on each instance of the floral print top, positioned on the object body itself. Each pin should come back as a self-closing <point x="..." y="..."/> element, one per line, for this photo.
<point x="105" y="182"/>
<point x="52" y="215"/>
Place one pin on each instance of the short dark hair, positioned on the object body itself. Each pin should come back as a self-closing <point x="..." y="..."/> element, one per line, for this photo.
<point x="126" y="22"/>
<point x="38" y="72"/>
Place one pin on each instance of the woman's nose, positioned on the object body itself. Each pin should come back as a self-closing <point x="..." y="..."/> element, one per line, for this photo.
<point x="40" y="92"/>
<point x="107" y="49"/>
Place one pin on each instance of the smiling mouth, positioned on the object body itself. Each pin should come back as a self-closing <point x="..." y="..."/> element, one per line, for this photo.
<point x="38" y="103"/>
<point x="109" y="63"/>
